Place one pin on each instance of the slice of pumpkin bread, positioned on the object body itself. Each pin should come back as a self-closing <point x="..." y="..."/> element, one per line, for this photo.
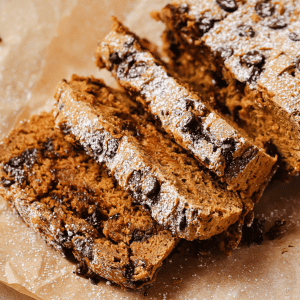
<point x="184" y="115"/>
<point x="247" y="59"/>
<point x="159" y="174"/>
<point x="72" y="202"/>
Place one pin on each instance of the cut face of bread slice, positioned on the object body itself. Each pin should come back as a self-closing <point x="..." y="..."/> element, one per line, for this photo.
<point x="158" y="173"/>
<point x="188" y="119"/>
<point x="247" y="62"/>
<point x="72" y="202"/>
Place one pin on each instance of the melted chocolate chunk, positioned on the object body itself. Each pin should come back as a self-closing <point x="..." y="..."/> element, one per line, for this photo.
<point x="277" y="229"/>
<point x="294" y="36"/>
<point x="112" y="148"/>
<point x="15" y="166"/>
<point x="115" y="59"/>
<point x="129" y="271"/>
<point x="182" y="222"/>
<point x="254" y="233"/>
<point x="228" y="5"/>
<point x="228" y="148"/>
<point x="151" y="187"/>
<point x="81" y="269"/>
<point x="264" y="8"/>
<point x="297" y="63"/>
<point x="7" y="183"/>
<point x="189" y="124"/>
<point x="204" y="25"/>
<point x="271" y="149"/>
<point x="277" y="22"/>
<point x="95" y="219"/>
<point x="84" y="247"/>
<point x="253" y="58"/>
<point x="65" y="128"/>
<point x="245" y="31"/>
<point x="135" y="181"/>
<point x="225" y="52"/>
<point x="137" y="70"/>
<point x="95" y="142"/>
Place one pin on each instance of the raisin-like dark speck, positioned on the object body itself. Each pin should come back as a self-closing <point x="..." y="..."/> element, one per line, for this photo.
<point x="264" y="8"/>
<point x="253" y="58"/>
<point x="228" y="5"/>
<point x="294" y="36"/>
<point x="135" y="181"/>
<point x="277" y="22"/>
<point x="245" y="31"/>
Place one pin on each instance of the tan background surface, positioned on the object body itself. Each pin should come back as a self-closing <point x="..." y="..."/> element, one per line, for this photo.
<point x="45" y="41"/>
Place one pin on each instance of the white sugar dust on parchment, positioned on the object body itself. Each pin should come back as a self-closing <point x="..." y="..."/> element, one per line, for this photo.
<point x="44" y="42"/>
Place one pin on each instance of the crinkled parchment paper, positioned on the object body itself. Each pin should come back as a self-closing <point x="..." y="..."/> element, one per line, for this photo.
<point x="45" y="41"/>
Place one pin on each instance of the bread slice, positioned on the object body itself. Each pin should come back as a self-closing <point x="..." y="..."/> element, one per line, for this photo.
<point x="180" y="194"/>
<point x="72" y="202"/>
<point x="189" y="120"/>
<point x="247" y="60"/>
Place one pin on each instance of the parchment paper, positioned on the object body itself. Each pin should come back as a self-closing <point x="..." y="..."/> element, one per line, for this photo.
<point x="45" y="41"/>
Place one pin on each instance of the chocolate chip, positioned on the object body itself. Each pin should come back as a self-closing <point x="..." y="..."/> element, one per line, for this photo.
<point x="94" y="142"/>
<point x="271" y="149"/>
<point x="277" y="229"/>
<point x="183" y="8"/>
<point x="224" y="52"/>
<point x="65" y="128"/>
<point x="297" y="63"/>
<point x="7" y="183"/>
<point x="81" y="269"/>
<point x="84" y="247"/>
<point x="95" y="219"/>
<point x="245" y="31"/>
<point x="182" y="222"/>
<point x="189" y="123"/>
<point x="151" y="187"/>
<point x="135" y="181"/>
<point x="204" y="25"/>
<point x="294" y="36"/>
<point x="137" y="70"/>
<point x="115" y="59"/>
<point x="277" y="22"/>
<point x="254" y="233"/>
<point x="253" y="58"/>
<point x="228" y="5"/>
<point x="264" y="8"/>
<point x="174" y="48"/>
<point x="129" y="271"/>
<point x="15" y="166"/>
<point x="228" y="148"/>
<point x="112" y="148"/>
